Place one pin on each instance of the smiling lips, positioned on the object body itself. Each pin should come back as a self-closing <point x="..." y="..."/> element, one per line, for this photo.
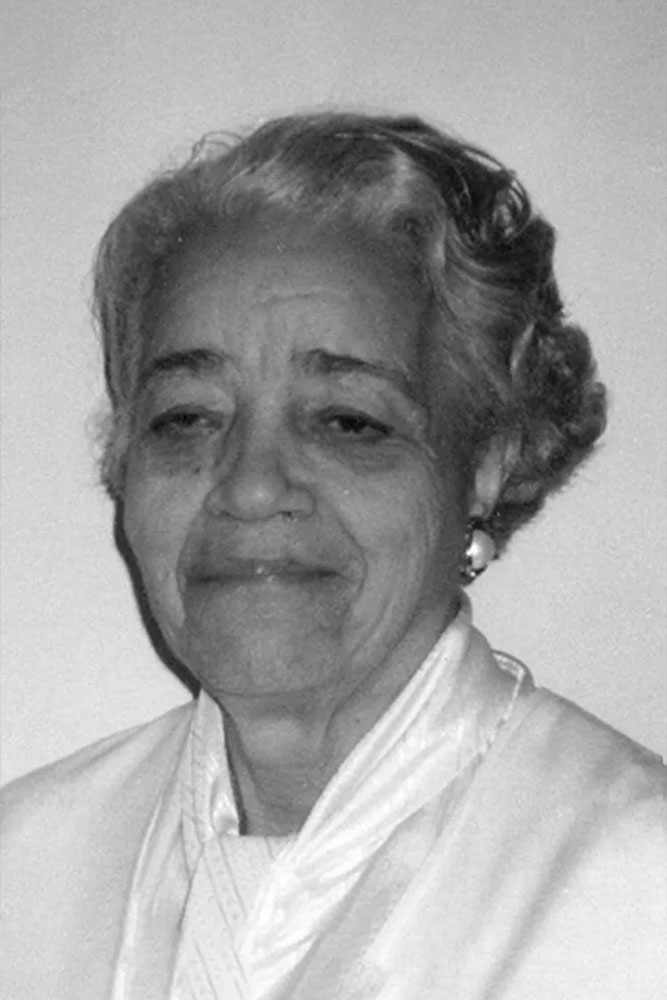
<point x="237" y="570"/>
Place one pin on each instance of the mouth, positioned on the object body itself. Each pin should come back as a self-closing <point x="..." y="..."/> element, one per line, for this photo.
<point x="262" y="571"/>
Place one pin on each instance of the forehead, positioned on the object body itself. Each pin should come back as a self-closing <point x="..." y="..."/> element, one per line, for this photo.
<point x="286" y="288"/>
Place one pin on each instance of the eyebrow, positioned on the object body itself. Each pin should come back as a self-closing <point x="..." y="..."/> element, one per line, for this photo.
<point x="321" y="362"/>
<point x="198" y="361"/>
<point x="202" y="361"/>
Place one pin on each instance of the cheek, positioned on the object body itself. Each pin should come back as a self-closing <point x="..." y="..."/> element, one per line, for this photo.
<point x="405" y="523"/>
<point x="157" y="521"/>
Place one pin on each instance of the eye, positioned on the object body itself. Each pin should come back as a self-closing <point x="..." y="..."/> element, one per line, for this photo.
<point x="182" y="423"/>
<point x="357" y="426"/>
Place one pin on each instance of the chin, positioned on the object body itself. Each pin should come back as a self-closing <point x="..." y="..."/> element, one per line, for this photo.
<point x="239" y="660"/>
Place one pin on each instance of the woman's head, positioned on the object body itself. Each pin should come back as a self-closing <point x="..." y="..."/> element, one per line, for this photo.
<point x="498" y="343"/>
<point x="326" y="348"/>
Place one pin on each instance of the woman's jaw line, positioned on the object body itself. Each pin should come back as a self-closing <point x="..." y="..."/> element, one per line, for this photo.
<point x="285" y="746"/>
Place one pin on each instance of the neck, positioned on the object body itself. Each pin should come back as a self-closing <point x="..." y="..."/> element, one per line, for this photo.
<point x="282" y="755"/>
<point x="280" y="767"/>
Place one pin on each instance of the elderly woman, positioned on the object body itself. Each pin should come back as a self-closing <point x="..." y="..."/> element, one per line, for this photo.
<point x="340" y="379"/>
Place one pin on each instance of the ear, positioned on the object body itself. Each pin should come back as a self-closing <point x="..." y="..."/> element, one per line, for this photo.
<point x="490" y="476"/>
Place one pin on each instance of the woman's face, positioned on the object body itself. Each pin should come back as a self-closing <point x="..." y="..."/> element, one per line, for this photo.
<point x="293" y="525"/>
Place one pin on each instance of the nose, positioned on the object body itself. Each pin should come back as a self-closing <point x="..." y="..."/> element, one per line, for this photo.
<point x="257" y="479"/>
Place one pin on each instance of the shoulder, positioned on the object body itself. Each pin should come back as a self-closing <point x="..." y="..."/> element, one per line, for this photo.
<point x="571" y="818"/>
<point x="562" y="740"/>
<point x="599" y="813"/>
<point x="596" y="797"/>
<point x="581" y="792"/>
<point x="613" y="789"/>
<point x="116" y="763"/>
<point x="71" y="834"/>
<point x="576" y="773"/>
<point x="560" y="737"/>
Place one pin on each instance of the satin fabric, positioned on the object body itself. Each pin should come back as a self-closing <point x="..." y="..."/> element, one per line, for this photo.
<point x="484" y="840"/>
<point x="443" y="721"/>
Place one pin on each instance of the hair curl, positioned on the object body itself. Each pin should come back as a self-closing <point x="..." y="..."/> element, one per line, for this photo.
<point x="454" y="214"/>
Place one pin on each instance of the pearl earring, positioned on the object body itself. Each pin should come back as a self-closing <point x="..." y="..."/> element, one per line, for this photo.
<point x="480" y="549"/>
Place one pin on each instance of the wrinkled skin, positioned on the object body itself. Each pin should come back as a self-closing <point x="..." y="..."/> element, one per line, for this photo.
<point x="298" y="532"/>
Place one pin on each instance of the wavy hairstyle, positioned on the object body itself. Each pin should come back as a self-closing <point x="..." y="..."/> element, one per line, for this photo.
<point x="457" y="218"/>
